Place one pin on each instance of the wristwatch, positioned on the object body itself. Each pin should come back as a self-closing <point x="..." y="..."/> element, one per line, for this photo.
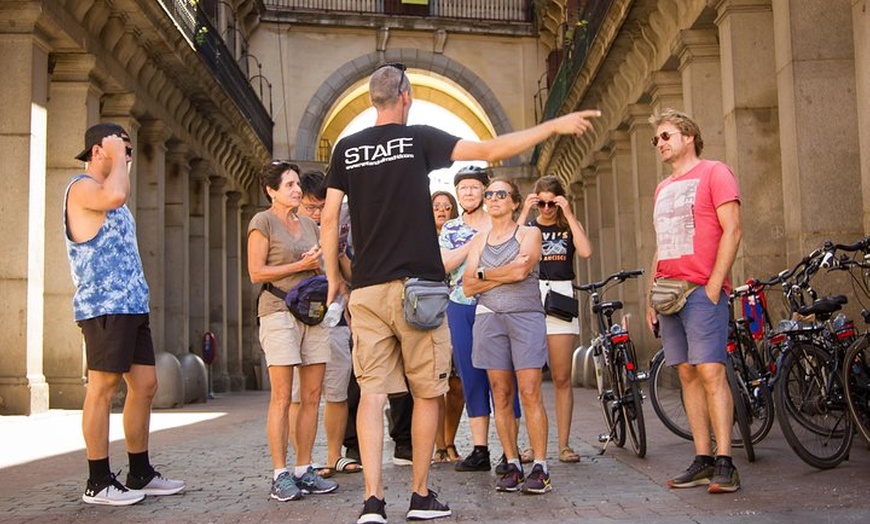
<point x="480" y="274"/>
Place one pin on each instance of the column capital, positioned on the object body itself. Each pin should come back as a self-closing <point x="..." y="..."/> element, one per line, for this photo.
<point x="72" y="67"/>
<point x="637" y="115"/>
<point x="178" y="152"/>
<point x="663" y="84"/>
<point x="200" y="171"/>
<point x="154" y="132"/>
<point x="20" y="17"/>
<point x="233" y="198"/>
<point x="696" y="45"/>
<point x="620" y="140"/>
<point x="218" y="184"/>
<point x="119" y="105"/>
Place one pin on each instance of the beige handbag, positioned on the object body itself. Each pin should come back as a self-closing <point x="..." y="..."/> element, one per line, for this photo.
<point x="669" y="295"/>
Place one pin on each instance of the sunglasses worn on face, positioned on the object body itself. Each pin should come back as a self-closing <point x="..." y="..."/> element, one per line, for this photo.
<point x="664" y="135"/>
<point x="440" y="207"/>
<point x="401" y="67"/>
<point x="544" y="203"/>
<point x="501" y="194"/>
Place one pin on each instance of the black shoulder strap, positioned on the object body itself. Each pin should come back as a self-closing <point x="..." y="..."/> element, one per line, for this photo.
<point x="275" y="291"/>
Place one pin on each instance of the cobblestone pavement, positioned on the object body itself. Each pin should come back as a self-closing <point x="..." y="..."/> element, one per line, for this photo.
<point x="223" y="457"/>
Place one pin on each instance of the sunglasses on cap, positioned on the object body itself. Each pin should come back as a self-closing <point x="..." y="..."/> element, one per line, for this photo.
<point x="665" y="136"/>
<point x="500" y="194"/>
<point x="546" y="203"/>
<point x="401" y="67"/>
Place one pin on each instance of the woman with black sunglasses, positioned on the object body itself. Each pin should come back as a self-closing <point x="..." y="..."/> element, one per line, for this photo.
<point x="510" y="340"/>
<point x="562" y="236"/>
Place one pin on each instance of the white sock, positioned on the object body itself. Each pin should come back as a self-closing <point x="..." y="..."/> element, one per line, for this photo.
<point x="298" y="471"/>
<point x="277" y="473"/>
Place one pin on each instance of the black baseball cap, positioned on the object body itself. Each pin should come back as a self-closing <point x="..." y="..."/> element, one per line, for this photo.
<point x="477" y="173"/>
<point x="96" y="133"/>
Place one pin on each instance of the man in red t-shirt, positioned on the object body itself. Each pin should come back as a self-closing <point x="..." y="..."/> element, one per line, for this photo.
<point x="698" y="231"/>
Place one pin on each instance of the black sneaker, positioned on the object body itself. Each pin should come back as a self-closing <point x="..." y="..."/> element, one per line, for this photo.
<point x="374" y="512"/>
<point x="403" y="454"/>
<point x="502" y="467"/>
<point x="697" y="474"/>
<point x="477" y="460"/>
<point x="725" y="477"/>
<point x="427" y="508"/>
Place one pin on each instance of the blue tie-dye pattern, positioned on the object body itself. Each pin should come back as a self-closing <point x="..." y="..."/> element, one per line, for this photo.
<point x="456" y="233"/>
<point x="107" y="270"/>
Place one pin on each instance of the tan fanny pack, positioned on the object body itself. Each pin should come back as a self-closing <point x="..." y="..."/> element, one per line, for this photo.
<point x="669" y="295"/>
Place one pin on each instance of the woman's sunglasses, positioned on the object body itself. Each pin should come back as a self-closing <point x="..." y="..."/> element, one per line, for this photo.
<point x="501" y="194"/>
<point x="544" y="204"/>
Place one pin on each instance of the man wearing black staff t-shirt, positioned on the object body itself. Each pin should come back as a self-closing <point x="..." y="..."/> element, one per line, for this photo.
<point x="384" y="171"/>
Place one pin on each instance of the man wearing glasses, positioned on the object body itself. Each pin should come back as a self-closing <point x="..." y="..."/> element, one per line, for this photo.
<point x="698" y="231"/>
<point x="384" y="170"/>
<point x="111" y="307"/>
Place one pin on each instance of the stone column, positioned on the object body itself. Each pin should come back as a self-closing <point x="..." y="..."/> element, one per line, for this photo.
<point x="23" y="123"/>
<point x="234" y="292"/>
<point x="582" y="267"/>
<point x="592" y="222"/>
<point x="177" y="255"/>
<point x="815" y="74"/>
<point x="625" y="202"/>
<point x="752" y="142"/>
<point x="607" y="248"/>
<point x="861" y="29"/>
<point x="701" y="71"/>
<point x="151" y="219"/>
<point x="199" y="293"/>
<point x="250" y="292"/>
<point x="644" y="166"/>
<point x="73" y="105"/>
<point x="217" y="276"/>
<point x="666" y="91"/>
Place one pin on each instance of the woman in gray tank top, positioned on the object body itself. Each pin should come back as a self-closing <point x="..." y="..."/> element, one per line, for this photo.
<point x="510" y="338"/>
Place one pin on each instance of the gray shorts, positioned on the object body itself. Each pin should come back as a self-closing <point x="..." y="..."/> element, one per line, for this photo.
<point x="338" y="368"/>
<point x="697" y="334"/>
<point x="510" y="341"/>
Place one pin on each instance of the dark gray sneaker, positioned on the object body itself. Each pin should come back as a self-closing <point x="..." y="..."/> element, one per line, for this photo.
<point x="725" y="478"/>
<point x="284" y="488"/>
<point x="698" y="474"/>
<point x="312" y="483"/>
<point x="427" y="508"/>
<point x="477" y="460"/>
<point x="374" y="512"/>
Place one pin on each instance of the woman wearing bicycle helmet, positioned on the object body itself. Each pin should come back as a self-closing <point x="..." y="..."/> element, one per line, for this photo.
<point x="456" y="235"/>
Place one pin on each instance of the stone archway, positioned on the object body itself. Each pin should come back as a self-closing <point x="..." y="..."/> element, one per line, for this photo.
<point x="347" y="75"/>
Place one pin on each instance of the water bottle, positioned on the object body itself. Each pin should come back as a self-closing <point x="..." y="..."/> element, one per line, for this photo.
<point x="333" y="313"/>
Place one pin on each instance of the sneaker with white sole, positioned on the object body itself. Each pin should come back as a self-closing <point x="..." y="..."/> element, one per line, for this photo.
<point x="313" y="484"/>
<point x="284" y="488"/>
<point x="110" y="492"/>
<point x="427" y="508"/>
<point x="154" y="484"/>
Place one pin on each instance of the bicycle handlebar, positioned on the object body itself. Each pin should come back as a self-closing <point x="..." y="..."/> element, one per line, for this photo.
<point x="620" y="276"/>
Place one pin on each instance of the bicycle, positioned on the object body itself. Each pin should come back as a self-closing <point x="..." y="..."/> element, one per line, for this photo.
<point x="617" y="375"/>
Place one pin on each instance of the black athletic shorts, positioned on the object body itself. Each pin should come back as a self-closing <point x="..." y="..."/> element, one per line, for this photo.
<point x="116" y="342"/>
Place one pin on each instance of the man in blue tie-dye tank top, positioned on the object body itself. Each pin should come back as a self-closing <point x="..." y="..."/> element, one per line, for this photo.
<point x="111" y="307"/>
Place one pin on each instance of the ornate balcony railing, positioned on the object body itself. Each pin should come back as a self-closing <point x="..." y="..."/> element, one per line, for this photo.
<point x="493" y="10"/>
<point x="207" y="42"/>
<point x="575" y="55"/>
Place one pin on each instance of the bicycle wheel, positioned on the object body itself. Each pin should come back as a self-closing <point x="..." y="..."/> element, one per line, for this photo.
<point x="632" y="405"/>
<point x="812" y="407"/>
<point x="856" y="373"/>
<point x="741" y="415"/>
<point x="666" y="396"/>
<point x="757" y="398"/>
<point x="614" y="405"/>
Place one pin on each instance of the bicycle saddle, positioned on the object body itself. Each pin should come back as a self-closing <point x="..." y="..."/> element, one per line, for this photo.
<point x="607" y="307"/>
<point x="824" y="306"/>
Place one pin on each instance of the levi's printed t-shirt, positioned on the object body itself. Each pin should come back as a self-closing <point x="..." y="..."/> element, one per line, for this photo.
<point x="687" y="226"/>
